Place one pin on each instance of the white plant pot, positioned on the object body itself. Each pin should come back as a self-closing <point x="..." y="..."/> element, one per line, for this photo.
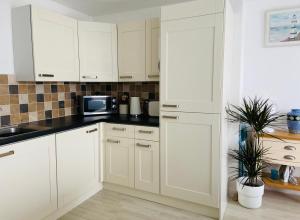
<point x="248" y="196"/>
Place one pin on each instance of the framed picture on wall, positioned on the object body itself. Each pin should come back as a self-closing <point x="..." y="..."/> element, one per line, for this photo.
<point x="283" y="27"/>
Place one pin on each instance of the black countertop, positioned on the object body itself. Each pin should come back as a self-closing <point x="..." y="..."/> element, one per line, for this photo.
<point x="55" y="125"/>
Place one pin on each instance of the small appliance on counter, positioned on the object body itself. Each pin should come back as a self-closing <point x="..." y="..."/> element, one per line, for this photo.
<point x="135" y="106"/>
<point x="98" y="105"/>
<point x="145" y="107"/>
<point x="123" y="107"/>
<point x="153" y="108"/>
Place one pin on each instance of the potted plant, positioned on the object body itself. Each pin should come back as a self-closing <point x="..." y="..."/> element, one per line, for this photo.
<point x="250" y="187"/>
<point x="256" y="114"/>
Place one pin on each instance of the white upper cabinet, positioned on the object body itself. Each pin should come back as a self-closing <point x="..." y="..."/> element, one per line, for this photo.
<point x="77" y="163"/>
<point x="28" y="179"/>
<point x="191" y="64"/>
<point x="97" y="52"/>
<point x="139" y="50"/>
<point x="190" y="156"/>
<point x="192" y="9"/>
<point x="132" y="51"/>
<point x="45" y="45"/>
<point x="153" y="49"/>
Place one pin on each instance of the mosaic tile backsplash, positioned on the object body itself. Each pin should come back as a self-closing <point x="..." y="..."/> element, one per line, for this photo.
<point x="22" y="102"/>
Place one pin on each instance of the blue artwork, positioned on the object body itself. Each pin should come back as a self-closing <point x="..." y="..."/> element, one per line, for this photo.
<point x="283" y="27"/>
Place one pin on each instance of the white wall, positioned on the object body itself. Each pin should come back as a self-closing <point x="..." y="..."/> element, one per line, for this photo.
<point x="130" y="15"/>
<point x="231" y="88"/>
<point x="6" y="51"/>
<point x="269" y="72"/>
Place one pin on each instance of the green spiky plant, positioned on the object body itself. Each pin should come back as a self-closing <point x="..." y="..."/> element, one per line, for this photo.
<point x="251" y="156"/>
<point x="257" y="114"/>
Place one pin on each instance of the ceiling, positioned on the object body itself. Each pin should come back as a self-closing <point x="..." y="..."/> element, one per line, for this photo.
<point x="104" y="7"/>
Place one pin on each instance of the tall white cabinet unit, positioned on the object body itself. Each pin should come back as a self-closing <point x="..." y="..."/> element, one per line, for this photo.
<point x="28" y="179"/>
<point x="97" y="51"/>
<point x="191" y="100"/>
<point x="45" y="45"/>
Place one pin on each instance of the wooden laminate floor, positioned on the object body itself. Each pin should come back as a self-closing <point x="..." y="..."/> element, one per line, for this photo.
<point x="107" y="205"/>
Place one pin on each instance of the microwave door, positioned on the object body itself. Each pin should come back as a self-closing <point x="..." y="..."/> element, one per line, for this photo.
<point x="96" y="106"/>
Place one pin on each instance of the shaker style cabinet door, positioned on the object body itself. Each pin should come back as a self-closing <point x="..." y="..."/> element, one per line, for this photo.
<point x="28" y="179"/>
<point x="132" y="51"/>
<point x="119" y="161"/>
<point x="153" y="49"/>
<point x="147" y="166"/>
<point x="55" y="46"/>
<point x="189" y="156"/>
<point x="191" y="64"/>
<point x="97" y="52"/>
<point x="77" y="163"/>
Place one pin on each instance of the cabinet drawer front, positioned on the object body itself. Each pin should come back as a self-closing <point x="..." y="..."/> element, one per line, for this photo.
<point x="147" y="133"/>
<point x="119" y="130"/>
<point x="120" y="141"/>
<point x="283" y="152"/>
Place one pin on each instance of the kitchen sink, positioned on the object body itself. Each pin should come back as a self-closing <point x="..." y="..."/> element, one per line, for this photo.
<point x="17" y="130"/>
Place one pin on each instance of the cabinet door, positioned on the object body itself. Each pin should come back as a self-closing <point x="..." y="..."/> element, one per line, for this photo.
<point x="191" y="67"/>
<point x="97" y="51"/>
<point x="147" y="166"/>
<point x="119" y="161"/>
<point x="77" y="163"/>
<point x="55" y="46"/>
<point x="132" y="51"/>
<point x="28" y="179"/>
<point x="190" y="157"/>
<point x="152" y="49"/>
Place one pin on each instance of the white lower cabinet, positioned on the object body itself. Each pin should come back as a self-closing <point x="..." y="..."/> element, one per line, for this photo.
<point x="77" y="163"/>
<point x="119" y="161"/>
<point x="189" y="156"/>
<point x="132" y="162"/>
<point x="28" y="179"/>
<point x="147" y="166"/>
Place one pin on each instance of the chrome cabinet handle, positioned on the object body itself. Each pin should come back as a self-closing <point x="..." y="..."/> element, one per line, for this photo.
<point x="143" y="145"/>
<point x="153" y="76"/>
<point x="90" y="77"/>
<point x="126" y="77"/>
<point x="170" y="117"/>
<point x="145" y="132"/>
<point x="289" y="157"/>
<point x="46" y="75"/>
<point x="289" y="147"/>
<point x="118" y="129"/>
<point x="113" y="141"/>
<point x="9" y="153"/>
<point x="91" y="131"/>
<point x="170" y="106"/>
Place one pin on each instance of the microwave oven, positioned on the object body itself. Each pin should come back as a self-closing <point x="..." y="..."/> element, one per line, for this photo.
<point x="98" y="105"/>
